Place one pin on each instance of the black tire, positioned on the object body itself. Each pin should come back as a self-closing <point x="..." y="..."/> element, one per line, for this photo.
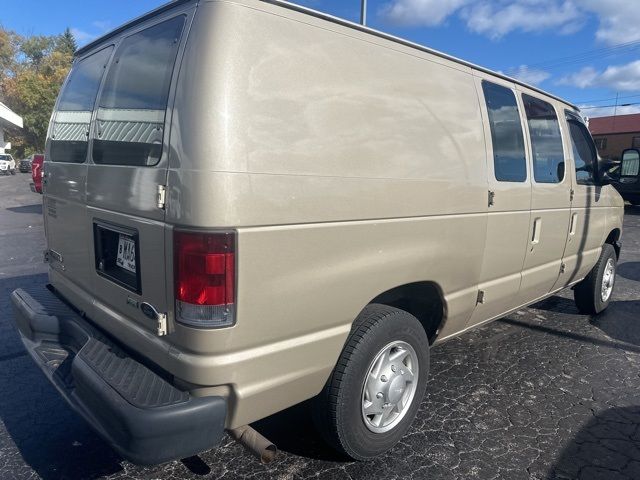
<point x="337" y="410"/>
<point x="587" y="293"/>
<point x="13" y="172"/>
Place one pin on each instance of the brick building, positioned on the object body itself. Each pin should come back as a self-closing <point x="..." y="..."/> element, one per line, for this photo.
<point x="615" y="134"/>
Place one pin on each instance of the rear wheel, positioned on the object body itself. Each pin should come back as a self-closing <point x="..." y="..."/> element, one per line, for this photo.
<point x="593" y="294"/>
<point x="376" y="388"/>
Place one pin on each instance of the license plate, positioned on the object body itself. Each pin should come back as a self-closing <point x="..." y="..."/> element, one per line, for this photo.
<point x="126" y="253"/>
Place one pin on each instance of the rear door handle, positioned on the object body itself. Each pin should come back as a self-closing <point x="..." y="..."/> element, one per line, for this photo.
<point x="537" y="228"/>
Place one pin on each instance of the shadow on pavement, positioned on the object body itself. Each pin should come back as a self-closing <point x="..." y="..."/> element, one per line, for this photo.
<point x="620" y="321"/>
<point x="292" y="431"/>
<point x="629" y="270"/>
<point x="50" y="437"/>
<point x="557" y="304"/>
<point x="36" y="208"/>
<point x="631" y="210"/>
<point x="607" y="447"/>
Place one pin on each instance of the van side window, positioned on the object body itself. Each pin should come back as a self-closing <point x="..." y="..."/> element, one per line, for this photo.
<point x="509" y="160"/>
<point x="133" y="102"/>
<point x="70" y="131"/>
<point x="584" y="151"/>
<point x="546" y="140"/>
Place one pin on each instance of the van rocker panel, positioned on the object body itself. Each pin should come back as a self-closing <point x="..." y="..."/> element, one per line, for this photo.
<point x="140" y="414"/>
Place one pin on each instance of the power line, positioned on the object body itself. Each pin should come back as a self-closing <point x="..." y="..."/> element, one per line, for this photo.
<point x="606" y="99"/>
<point x="585" y="56"/>
<point x="611" y="106"/>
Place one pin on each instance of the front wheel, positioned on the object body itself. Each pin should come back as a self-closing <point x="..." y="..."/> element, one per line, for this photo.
<point x="376" y="388"/>
<point x="593" y="294"/>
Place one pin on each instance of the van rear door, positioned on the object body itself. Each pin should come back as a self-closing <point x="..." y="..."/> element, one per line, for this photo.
<point x="123" y="229"/>
<point x="129" y="169"/>
<point x="65" y="171"/>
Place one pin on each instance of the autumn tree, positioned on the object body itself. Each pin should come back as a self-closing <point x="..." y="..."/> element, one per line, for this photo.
<point x="35" y="70"/>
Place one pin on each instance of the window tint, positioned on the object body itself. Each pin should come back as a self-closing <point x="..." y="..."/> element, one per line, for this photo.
<point x="584" y="153"/>
<point x="546" y="141"/>
<point x="509" y="159"/>
<point x="130" y="120"/>
<point x="71" y="123"/>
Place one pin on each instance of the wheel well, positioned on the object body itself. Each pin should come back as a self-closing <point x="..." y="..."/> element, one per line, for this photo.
<point x="423" y="300"/>
<point x="612" y="239"/>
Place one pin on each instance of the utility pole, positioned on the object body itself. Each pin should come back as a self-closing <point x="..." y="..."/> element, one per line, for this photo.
<point x="615" y="110"/>
<point x="363" y="12"/>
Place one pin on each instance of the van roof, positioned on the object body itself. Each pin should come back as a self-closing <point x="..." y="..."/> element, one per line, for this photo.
<point x="340" y="21"/>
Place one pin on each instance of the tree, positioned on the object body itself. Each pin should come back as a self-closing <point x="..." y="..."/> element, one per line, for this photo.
<point x="32" y="71"/>
<point x="8" y="51"/>
<point x="66" y="43"/>
<point x="35" y="49"/>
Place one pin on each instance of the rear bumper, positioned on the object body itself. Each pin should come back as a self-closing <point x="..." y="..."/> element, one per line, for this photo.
<point x="139" y="413"/>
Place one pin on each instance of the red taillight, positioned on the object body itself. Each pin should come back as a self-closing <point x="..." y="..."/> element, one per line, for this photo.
<point x="204" y="272"/>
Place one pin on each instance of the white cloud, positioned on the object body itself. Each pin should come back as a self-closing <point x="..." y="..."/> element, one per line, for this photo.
<point x="98" y="28"/>
<point x="618" y="19"/>
<point x="421" y="12"/>
<point x="81" y="36"/>
<point x="623" y="78"/>
<point x="532" y="76"/>
<point x="497" y="19"/>
<point x="594" y="112"/>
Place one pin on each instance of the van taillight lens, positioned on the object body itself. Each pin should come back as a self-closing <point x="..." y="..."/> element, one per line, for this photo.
<point x="204" y="272"/>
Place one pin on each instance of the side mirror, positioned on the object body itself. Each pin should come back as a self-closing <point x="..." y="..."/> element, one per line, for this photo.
<point x="630" y="166"/>
<point x="604" y="165"/>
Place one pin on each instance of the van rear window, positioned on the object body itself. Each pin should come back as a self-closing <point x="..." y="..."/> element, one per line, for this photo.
<point x="73" y="116"/>
<point x="133" y="102"/>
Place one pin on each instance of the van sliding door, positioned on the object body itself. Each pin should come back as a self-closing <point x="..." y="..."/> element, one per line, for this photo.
<point x="550" y="199"/>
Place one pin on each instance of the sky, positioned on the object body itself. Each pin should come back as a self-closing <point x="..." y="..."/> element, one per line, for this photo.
<point x="586" y="51"/>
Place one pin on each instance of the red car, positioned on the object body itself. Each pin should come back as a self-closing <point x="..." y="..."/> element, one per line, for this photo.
<point x="36" y="173"/>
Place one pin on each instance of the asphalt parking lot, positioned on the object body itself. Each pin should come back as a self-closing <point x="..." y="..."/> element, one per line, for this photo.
<point x="543" y="393"/>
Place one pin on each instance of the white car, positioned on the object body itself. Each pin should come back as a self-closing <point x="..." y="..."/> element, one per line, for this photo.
<point x="7" y="164"/>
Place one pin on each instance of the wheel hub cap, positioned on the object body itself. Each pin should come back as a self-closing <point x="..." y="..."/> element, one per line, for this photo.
<point x="608" y="278"/>
<point x="389" y="386"/>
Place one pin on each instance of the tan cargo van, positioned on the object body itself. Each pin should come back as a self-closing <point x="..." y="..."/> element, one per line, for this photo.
<point x="249" y="204"/>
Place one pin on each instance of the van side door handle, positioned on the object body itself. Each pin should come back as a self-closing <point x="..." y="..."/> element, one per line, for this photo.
<point x="573" y="225"/>
<point x="537" y="228"/>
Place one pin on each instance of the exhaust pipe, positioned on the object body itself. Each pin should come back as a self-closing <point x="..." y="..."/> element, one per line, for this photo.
<point x="255" y="443"/>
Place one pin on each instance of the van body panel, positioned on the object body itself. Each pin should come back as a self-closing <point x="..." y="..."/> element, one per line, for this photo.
<point x="345" y="164"/>
<point x="292" y="139"/>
